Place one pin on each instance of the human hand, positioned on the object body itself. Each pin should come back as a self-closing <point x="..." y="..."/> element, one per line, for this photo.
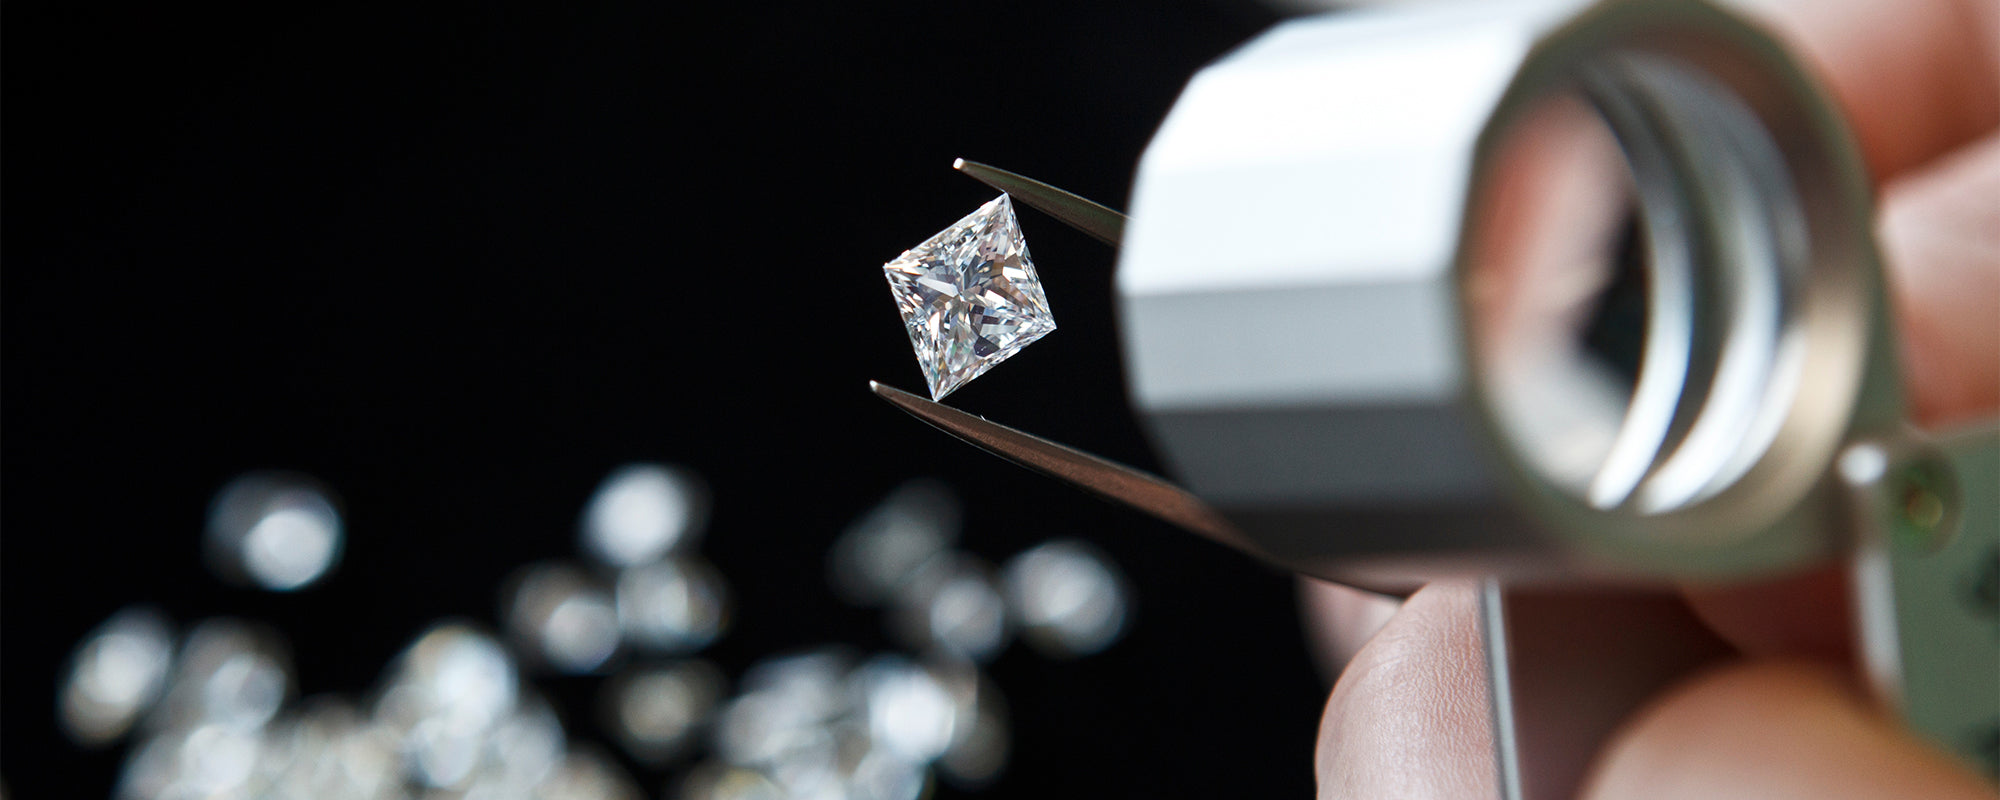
<point x="1785" y="716"/>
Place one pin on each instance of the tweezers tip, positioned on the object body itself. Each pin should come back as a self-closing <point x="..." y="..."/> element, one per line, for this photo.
<point x="887" y="392"/>
<point x="958" y="164"/>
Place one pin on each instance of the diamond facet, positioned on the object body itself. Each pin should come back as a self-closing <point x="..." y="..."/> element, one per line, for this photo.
<point x="969" y="297"/>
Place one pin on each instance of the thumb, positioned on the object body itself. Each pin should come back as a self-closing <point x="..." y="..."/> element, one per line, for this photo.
<point x="1777" y="730"/>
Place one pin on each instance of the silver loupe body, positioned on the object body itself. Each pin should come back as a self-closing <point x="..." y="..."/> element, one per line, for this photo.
<point x="1536" y="288"/>
<point x="1581" y="299"/>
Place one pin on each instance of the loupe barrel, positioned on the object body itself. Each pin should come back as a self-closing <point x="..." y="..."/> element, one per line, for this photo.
<point x="1534" y="287"/>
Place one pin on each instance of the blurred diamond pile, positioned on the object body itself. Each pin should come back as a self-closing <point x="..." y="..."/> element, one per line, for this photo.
<point x="212" y="712"/>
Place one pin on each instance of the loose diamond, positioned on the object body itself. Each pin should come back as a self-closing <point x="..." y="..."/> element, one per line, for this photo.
<point x="969" y="297"/>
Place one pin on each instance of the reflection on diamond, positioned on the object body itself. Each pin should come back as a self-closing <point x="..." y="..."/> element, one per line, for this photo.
<point x="115" y="675"/>
<point x="1068" y="598"/>
<point x="784" y="709"/>
<point x="586" y="774"/>
<point x="678" y="605"/>
<point x="969" y="297"/>
<point x="756" y="730"/>
<point x="451" y="673"/>
<point x="883" y="776"/>
<point x="526" y="746"/>
<point x="274" y="530"/>
<point x="444" y="751"/>
<point x="812" y="769"/>
<point x="445" y="693"/>
<point x="217" y="758"/>
<point x="952" y="605"/>
<point x="561" y="614"/>
<point x="714" y="781"/>
<point x="229" y="673"/>
<point x="656" y="711"/>
<point x="205" y="761"/>
<point x="909" y="712"/>
<point x="453" y="719"/>
<point x="151" y="767"/>
<point x="330" y="751"/>
<point x="812" y="682"/>
<point x="879" y="552"/>
<point x="812" y="726"/>
<point x="642" y="511"/>
<point x="978" y="749"/>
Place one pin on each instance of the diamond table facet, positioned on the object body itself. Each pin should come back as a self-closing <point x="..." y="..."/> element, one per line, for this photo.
<point x="969" y="297"/>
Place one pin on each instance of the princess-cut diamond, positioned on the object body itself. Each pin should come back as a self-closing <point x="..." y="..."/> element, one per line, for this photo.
<point x="969" y="297"/>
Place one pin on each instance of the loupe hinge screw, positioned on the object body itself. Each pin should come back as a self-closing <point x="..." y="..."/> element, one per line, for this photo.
<point x="1926" y="575"/>
<point x="1924" y="505"/>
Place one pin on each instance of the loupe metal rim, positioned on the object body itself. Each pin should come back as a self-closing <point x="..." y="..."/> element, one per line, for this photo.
<point x="1765" y="516"/>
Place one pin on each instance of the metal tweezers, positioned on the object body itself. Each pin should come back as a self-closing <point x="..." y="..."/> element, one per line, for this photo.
<point x="1100" y="476"/>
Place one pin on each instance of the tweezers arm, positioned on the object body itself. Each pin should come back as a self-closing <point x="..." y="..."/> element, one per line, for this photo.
<point x="1102" y="477"/>
<point x="1090" y="217"/>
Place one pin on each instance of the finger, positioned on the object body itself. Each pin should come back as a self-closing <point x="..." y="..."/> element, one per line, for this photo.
<point x="1409" y="716"/>
<point x="1941" y="236"/>
<point x="1800" y="615"/>
<point x="1940" y="233"/>
<point x="1775" y="730"/>
<point x="1339" y="620"/>
<point x="1915" y="79"/>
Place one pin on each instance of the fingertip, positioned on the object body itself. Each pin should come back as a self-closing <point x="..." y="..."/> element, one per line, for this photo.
<point x="1772" y="729"/>
<point x="1339" y="620"/>
<point x="1938" y="231"/>
<point x="1409" y="715"/>
<point x="1915" y="79"/>
<point x="1806" y="615"/>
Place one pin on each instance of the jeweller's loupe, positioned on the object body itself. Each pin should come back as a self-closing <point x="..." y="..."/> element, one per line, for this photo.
<point x="1579" y="297"/>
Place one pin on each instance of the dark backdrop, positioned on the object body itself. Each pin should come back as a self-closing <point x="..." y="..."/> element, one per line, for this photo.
<point x="458" y="260"/>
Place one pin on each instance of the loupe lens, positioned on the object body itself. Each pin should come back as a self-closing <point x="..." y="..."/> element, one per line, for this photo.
<point x="1632" y="270"/>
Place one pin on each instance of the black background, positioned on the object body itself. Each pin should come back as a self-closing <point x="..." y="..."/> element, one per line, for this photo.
<point x="459" y="260"/>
